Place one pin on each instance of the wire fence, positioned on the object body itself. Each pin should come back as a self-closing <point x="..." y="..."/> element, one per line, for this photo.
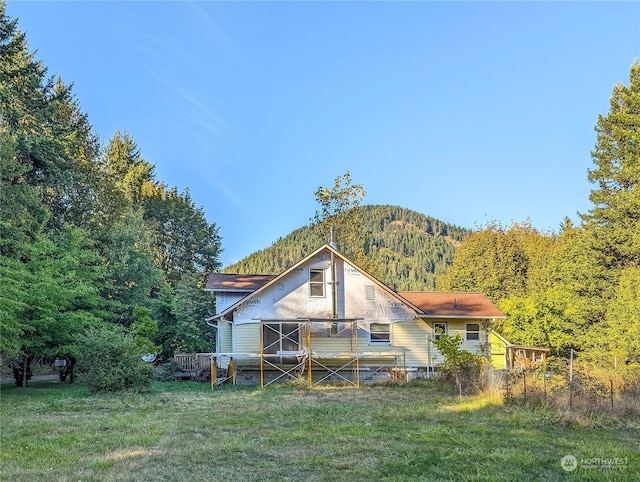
<point x="574" y="386"/>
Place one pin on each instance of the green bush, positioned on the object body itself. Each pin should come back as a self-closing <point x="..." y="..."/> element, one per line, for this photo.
<point x="109" y="361"/>
<point x="166" y="372"/>
<point x="459" y="366"/>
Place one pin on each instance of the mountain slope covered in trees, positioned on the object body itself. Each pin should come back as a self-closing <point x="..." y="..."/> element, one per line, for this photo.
<point x="405" y="249"/>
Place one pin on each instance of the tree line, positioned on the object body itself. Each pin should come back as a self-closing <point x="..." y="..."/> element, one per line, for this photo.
<point x="575" y="290"/>
<point x="95" y="251"/>
<point x="91" y="242"/>
<point x="578" y="289"/>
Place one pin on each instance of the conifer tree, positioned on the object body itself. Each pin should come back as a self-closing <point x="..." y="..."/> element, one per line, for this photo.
<point x="614" y="219"/>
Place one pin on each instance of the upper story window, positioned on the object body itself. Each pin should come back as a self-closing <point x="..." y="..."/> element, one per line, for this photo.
<point x="316" y="282"/>
<point x="369" y="293"/>
<point x="438" y="330"/>
<point x="379" y="333"/>
<point x="473" y="331"/>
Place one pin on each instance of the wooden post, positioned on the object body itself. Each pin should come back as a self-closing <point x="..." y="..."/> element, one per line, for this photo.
<point x="571" y="380"/>
<point x="309" y="362"/>
<point x="214" y="372"/>
<point x="611" y="394"/>
<point x="261" y="356"/>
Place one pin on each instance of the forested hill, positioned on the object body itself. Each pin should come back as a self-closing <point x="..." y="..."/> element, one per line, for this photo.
<point x="409" y="249"/>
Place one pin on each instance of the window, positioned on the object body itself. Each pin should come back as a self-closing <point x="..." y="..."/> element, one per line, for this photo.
<point x="369" y="293"/>
<point x="439" y="329"/>
<point x="316" y="282"/>
<point x="473" y="331"/>
<point x="379" y="333"/>
<point x="278" y="337"/>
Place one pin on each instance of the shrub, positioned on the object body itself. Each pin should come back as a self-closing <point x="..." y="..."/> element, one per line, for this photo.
<point x="459" y="366"/>
<point x="166" y="372"/>
<point x="109" y="361"/>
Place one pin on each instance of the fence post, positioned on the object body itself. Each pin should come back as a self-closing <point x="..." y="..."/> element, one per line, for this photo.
<point x="611" y="394"/>
<point x="571" y="380"/>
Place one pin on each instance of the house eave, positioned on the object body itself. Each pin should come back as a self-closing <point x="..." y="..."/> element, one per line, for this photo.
<point x="460" y="317"/>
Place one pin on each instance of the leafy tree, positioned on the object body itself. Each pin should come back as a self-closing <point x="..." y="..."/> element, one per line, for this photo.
<point x="541" y="319"/>
<point x="182" y="313"/>
<point x="460" y="364"/>
<point x="496" y="261"/>
<point x="22" y="214"/>
<point x="49" y="298"/>
<point x="131" y="273"/>
<point x="23" y="109"/>
<point x="143" y="329"/>
<point x="134" y="177"/>
<point x="338" y="212"/>
<point x="622" y="329"/>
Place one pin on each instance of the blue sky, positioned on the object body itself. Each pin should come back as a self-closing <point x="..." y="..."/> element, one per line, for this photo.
<point x="469" y="112"/>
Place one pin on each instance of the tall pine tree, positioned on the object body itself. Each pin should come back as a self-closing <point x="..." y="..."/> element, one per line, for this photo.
<point x="614" y="219"/>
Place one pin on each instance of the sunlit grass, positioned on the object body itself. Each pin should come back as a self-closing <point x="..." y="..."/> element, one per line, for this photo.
<point x="183" y="431"/>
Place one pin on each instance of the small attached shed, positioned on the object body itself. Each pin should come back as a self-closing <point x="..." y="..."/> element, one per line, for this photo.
<point x="507" y="356"/>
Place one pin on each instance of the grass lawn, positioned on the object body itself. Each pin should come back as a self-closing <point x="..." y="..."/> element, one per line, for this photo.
<point x="184" y="432"/>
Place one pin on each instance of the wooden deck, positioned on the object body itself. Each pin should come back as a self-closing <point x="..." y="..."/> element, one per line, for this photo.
<point x="191" y="364"/>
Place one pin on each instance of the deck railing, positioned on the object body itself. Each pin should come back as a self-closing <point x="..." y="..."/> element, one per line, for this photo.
<point x="193" y="362"/>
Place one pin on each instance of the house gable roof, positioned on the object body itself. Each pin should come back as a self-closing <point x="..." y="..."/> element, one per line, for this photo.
<point x="436" y="304"/>
<point x="274" y="279"/>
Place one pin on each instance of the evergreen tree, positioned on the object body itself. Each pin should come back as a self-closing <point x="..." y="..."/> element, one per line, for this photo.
<point x="183" y="241"/>
<point x="614" y="218"/>
<point x="134" y="177"/>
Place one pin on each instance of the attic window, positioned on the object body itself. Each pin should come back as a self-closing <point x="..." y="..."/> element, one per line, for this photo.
<point x="473" y="331"/>
<point x="316" y="282"/>
<point x="369" y="293"/>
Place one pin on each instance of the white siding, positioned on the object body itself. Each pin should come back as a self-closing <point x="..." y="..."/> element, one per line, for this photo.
<point x="289" y="297"/>
<point x="225" y="299"/>
<point x="357" y="296"/>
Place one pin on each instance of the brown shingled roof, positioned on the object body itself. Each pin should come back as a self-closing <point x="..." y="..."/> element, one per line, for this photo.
<point x="447" y="304"/>
<point x="237" y="282"/>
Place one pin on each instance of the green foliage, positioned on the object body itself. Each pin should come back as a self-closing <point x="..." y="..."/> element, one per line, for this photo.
<point x="134" y="177"/>
<point x="131" y="273"/>
<point x="109" y="361"/>
<point x="183" y="242"/>
<point x="615" y="216"/>
<point x="338" y="214"/>
<point x="86" y="234"/>
<point x="497" y="261"/>
<point x="182" y="313"/>
<point x="622" y="328"/>
<point x="143" y="329"/>
<point x="51" y="296"/>
<point x="462" y="366"/>
<point x="541" y="319"/>
<point x="407" y="250"/>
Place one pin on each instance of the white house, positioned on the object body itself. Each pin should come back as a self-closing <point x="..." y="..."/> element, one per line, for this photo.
<point x="326" y="319"/>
